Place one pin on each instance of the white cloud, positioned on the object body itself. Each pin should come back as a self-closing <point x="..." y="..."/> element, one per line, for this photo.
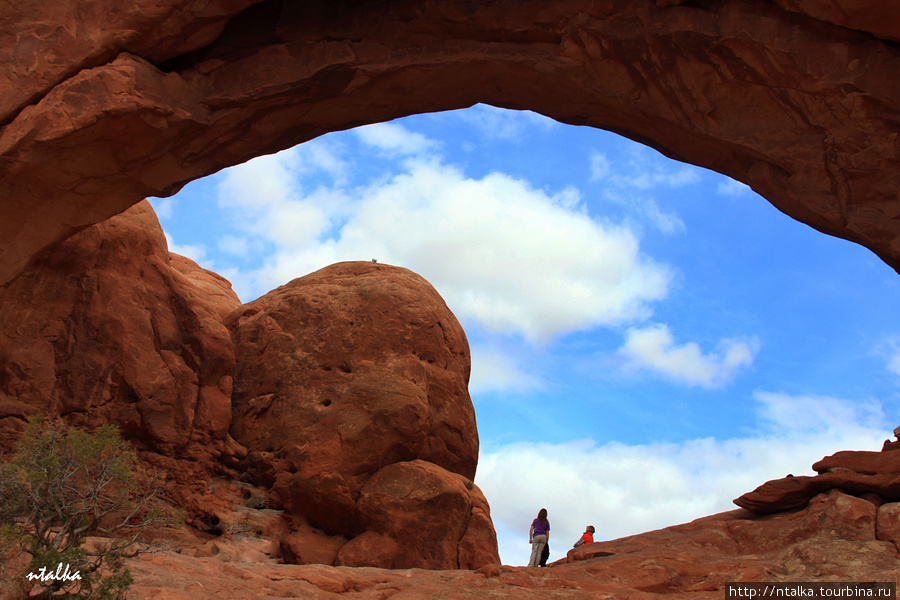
<point x="666" y="222"/>
<point x="653" y="348"/>
<point x="232" y="244"/>
<point x="894" y="364"/>
<point x="641" y="168"/>
<point x="394" y="139"/>
<point x="513" y="258"/>
<point x="266" y="198"/>
<point x="650" y="180"/>
<point x="260" y="184"/>
<point x="495" y="370"/>
<point x="823" y="414"/>
<point x="890" y="351"/>
<point x="623" y="490"/>
<point x="601" y="167"/>
<point x="196" y="252"/>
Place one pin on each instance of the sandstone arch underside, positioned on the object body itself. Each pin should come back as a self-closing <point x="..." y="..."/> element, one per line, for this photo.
<point x="103" y="105"/>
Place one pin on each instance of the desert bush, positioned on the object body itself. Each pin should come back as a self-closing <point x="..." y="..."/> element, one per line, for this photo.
<point x="60" y="486"/>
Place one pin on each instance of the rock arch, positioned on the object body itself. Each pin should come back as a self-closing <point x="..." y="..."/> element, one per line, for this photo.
<point x="104" y="105"/>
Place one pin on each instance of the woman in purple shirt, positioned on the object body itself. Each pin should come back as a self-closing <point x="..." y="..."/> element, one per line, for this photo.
<point x="538" y="536"/>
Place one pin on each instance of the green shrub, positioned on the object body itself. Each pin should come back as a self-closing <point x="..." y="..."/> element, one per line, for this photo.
<point x="60" y="486"/>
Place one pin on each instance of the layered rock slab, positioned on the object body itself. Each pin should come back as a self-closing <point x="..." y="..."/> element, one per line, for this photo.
<point x="351" y="397"/>
<point x="857" y="472"/>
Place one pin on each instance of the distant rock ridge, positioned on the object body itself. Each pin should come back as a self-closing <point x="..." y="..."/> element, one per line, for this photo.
<point x="856" y="472"/>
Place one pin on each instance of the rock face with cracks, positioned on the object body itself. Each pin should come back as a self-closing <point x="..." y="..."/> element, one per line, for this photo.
<point x="797" y="98"/>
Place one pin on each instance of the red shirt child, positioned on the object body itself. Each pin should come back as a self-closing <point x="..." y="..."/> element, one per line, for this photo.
<point x="587" y="537"/>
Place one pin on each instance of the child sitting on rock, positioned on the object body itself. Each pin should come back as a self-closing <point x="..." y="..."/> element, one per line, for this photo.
<point x="587" y="537"/>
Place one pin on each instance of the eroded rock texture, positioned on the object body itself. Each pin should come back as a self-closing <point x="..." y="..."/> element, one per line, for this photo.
<point x="104" y="105"/>
<point x="107" y="328"/>
<point x="351" y="397"/>
<point x="837" y="537"/>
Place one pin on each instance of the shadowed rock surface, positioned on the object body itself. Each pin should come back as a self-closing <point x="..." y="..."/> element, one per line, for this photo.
<point x="104" y="105"/>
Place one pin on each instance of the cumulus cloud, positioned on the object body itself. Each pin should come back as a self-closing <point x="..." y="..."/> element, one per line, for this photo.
<point x="654" y="349"/>
<point x="511" y="257"/>
<point x="515" y="259"/>
<point x="495" y="370"/>
<point x="394" y="139"/>
<point x="627" y="489"/>
<point x="266" y="198"/>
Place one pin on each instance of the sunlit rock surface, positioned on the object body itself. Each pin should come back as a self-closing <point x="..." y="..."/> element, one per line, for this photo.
<point x="351" y="397"/>
<point x="108" y="327"/>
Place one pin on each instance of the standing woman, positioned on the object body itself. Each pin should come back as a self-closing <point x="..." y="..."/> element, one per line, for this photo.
<point x="538" y="536"/>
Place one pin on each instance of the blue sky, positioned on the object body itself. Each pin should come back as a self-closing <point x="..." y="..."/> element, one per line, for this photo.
<point x="649" y="339"/>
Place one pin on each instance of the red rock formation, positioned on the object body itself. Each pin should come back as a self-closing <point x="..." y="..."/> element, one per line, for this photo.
<point x="833" y="539"/>
<point x="343" y="377"/>
<point x="103" y="328"/>
<point x="104" y="105"/>
<point x="422" y="511"/>
<point x="351" y="397"/>
<point x="797" y="98"/>
<point x="852" y="471"/>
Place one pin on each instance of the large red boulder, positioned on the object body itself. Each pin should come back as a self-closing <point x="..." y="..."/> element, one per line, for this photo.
<point x="107" y="327"/>
<point x="431" y="518"/>
<point x="342" y="374"/>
